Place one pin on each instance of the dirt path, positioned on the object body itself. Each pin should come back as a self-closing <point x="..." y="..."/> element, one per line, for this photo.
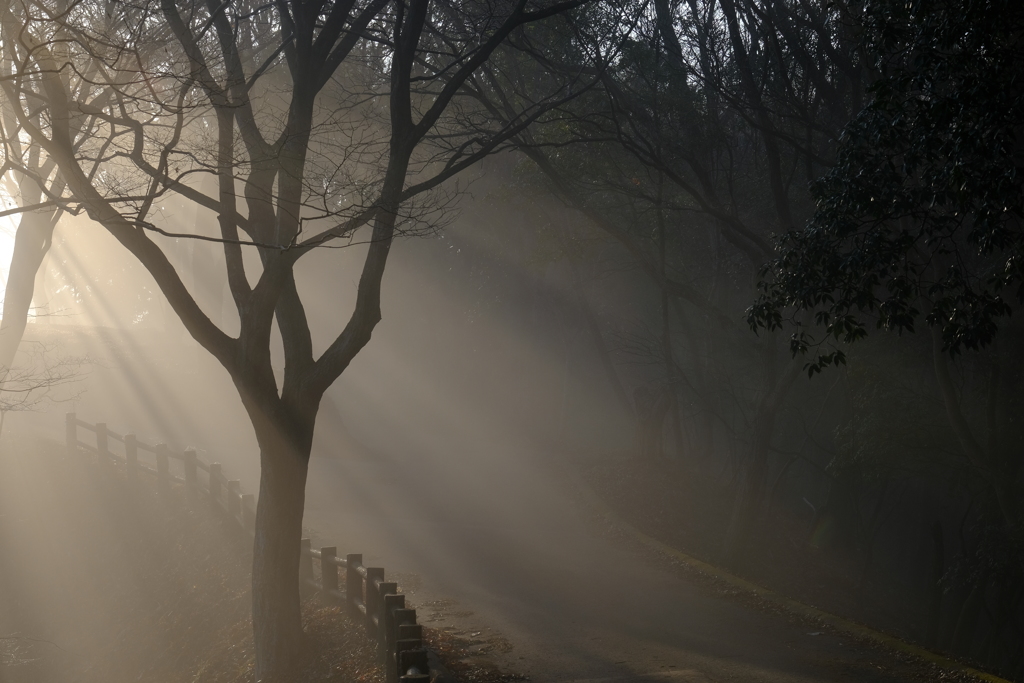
<point x="493" y="547"/>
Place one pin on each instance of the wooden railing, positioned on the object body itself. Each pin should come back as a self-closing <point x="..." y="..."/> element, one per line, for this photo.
<point x="388" y="621"/>
<point x="224" y="494"/>
<point x="377" y="602"/>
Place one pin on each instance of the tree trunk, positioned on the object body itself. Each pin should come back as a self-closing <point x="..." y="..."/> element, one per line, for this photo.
<point x="938" y="569"/>
<point x="652" y="406"/>
<point x="31" y="243"/>
<point x="967" y="621"/>
<point x="752" y="492"/>
<point x="1003" y="487"/>
<point x="704" y="422"/>
<point x="594" y="327"/>
<point x="276" y="609"/>
<point x="869" y="535"/>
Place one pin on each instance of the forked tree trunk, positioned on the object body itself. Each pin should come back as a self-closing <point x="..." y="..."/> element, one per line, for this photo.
<point x="275" y="191"/>
<point x="276" y="608"/>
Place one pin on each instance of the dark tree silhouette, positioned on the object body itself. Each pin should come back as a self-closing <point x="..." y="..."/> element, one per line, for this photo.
<point x="922" y="217"/>
<point x="320" y="122"/>
<point x="921" y="214"/>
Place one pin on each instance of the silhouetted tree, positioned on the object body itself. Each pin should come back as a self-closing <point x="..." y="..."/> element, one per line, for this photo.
<point x="921" y="216"/>
<point x="688" y="153"/>
<point x="321" y="121"/>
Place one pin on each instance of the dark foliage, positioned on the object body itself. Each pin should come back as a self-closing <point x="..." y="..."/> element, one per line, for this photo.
<point x="921" y="215"/>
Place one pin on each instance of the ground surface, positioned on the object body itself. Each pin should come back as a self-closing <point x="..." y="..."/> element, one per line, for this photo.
<point x="499" y="551"/>
<point x="664" y="501"/>
<point x="101" y="582"/>
<point x="515" y="574"/>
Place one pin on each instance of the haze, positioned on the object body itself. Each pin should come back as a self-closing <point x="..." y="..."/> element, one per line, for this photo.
<point x="669" y="341"/>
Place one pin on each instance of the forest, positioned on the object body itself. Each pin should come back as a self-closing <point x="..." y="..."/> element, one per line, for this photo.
<point x="751" y="269"/>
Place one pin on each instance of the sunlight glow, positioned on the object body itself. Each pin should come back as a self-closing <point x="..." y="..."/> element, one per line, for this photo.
<point x="8" y="228"/>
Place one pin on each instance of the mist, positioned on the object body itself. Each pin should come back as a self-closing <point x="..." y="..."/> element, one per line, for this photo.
<point x="634" y="341"/>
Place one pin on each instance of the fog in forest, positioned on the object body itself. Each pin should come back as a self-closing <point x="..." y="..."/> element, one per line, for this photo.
<point x="635" y="341"/>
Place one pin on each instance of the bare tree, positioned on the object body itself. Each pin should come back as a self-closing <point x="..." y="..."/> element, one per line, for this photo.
<point x="35" y="383"/>
<point x="26" y="173"/>
<point x="693" y="149"/>
<point x="321" y="122"/>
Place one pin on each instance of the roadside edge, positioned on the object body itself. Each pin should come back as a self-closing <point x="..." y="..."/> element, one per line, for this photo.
<point x="789" y="604"/>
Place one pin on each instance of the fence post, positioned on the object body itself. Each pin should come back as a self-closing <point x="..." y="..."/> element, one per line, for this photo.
<point x="215" y="478"/>
<point x="390" y="602"/>
<point x="102" y="445"/>
<point x="163" y="468"/>
<point x="234" y="501"/>
<point x="305" y="568"/>
<point x="372" y="599"/>
<point x="413" y="666"/>
<point x="407" y="628"/>
<point x="353" y="580"/>
<point x="408" y="636"/>
<point x="328" y="573"/>
<point x="71" y="433"/>
<point x="191" y="474"/>
<point x="385" y="589"/>
<point x="249" y="513"/>
<point x="131" y="457"/>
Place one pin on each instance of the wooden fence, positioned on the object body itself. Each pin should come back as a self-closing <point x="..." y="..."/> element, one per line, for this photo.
<point x="377" y="602"/>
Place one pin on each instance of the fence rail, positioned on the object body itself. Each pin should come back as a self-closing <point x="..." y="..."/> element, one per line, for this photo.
<point x="377" y="602"/>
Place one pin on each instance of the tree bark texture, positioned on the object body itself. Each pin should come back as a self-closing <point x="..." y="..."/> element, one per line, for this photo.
<point x="276" y="609"/>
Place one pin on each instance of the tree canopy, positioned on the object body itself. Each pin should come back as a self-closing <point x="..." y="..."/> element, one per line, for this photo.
<point x="921" y="213"/>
